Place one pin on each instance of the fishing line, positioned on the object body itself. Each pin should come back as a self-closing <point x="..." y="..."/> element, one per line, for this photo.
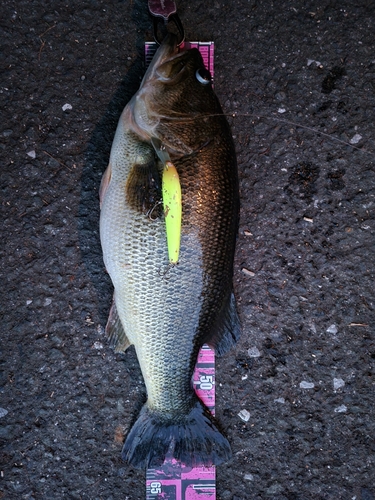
<point x="184" y="119"/>
<point x="305" y="127"/>
<point x="187" y="118"/>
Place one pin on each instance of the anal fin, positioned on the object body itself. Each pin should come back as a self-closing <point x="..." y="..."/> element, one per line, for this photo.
<point x="115" y="331"/>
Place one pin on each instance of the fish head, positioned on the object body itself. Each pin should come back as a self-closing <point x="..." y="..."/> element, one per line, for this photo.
<point x="175" y="101"/>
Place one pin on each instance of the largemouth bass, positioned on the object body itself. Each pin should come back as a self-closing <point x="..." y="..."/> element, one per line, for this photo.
<point x="169" y="311"/>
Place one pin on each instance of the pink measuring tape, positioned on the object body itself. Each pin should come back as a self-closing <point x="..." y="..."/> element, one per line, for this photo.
<point x="205" y="48"/>
<point x="173" y="480"/>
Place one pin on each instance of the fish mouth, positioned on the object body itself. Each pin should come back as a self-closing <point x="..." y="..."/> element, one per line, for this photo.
<point x="167" y="68"/>
<point x="167" y="52"/>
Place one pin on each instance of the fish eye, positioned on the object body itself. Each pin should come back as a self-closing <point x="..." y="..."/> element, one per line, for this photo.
<point x="203" y="76"/>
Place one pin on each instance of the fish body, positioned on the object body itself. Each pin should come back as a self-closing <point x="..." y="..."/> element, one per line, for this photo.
<point x="169" y="311"/>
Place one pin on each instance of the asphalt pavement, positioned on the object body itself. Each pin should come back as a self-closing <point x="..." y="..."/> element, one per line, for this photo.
<point x="297" y="80"/>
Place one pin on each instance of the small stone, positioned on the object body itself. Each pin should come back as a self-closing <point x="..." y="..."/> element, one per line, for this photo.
<point x="341" y="409"/>
<point x="306" y="385"/>
<point x="253" y="352"/>
<point x="311" y="61"/>
<point x="47" y="301"/>
<point x="32" y="154"/>
<point x="279" y="400"/>
<point x="98" y="345"/>
<point x="248" y="477"/>
<point x="247" y="272"/>
<point x="355" y="139"/>
<point x="244" y="415"/>
<point x="28" y="302"/>
<point x="337" y="383"/>
<point x="332" y="329"/>
<point x="66" y="107"/>
<point x="3" y="412"/>
<point x="89" y="321"/>
<point x="281" y="110"/>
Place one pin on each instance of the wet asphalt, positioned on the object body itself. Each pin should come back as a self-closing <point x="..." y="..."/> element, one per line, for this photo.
<point x="297" y="81"/>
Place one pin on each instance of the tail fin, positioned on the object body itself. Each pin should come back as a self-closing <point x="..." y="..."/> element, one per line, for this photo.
<point x="194" y="440"/>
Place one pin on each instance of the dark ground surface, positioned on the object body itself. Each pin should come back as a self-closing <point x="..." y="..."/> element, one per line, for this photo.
<point x="306" y="233"/>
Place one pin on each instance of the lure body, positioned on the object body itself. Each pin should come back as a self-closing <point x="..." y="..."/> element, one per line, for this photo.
<point x="172" y="210"/>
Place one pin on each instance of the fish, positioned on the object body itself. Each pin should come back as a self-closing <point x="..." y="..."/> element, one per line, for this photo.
<point x="168" y="311"/>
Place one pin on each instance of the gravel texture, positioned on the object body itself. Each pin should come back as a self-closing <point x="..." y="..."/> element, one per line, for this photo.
<point x="296" y="395"/>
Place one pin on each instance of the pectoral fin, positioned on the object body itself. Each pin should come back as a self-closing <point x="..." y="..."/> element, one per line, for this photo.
<point x="115" y="331"/>
<point x="143" y="187"/>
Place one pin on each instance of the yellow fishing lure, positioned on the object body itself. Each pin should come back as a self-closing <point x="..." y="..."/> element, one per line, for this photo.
<point x="172" y="204"/>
